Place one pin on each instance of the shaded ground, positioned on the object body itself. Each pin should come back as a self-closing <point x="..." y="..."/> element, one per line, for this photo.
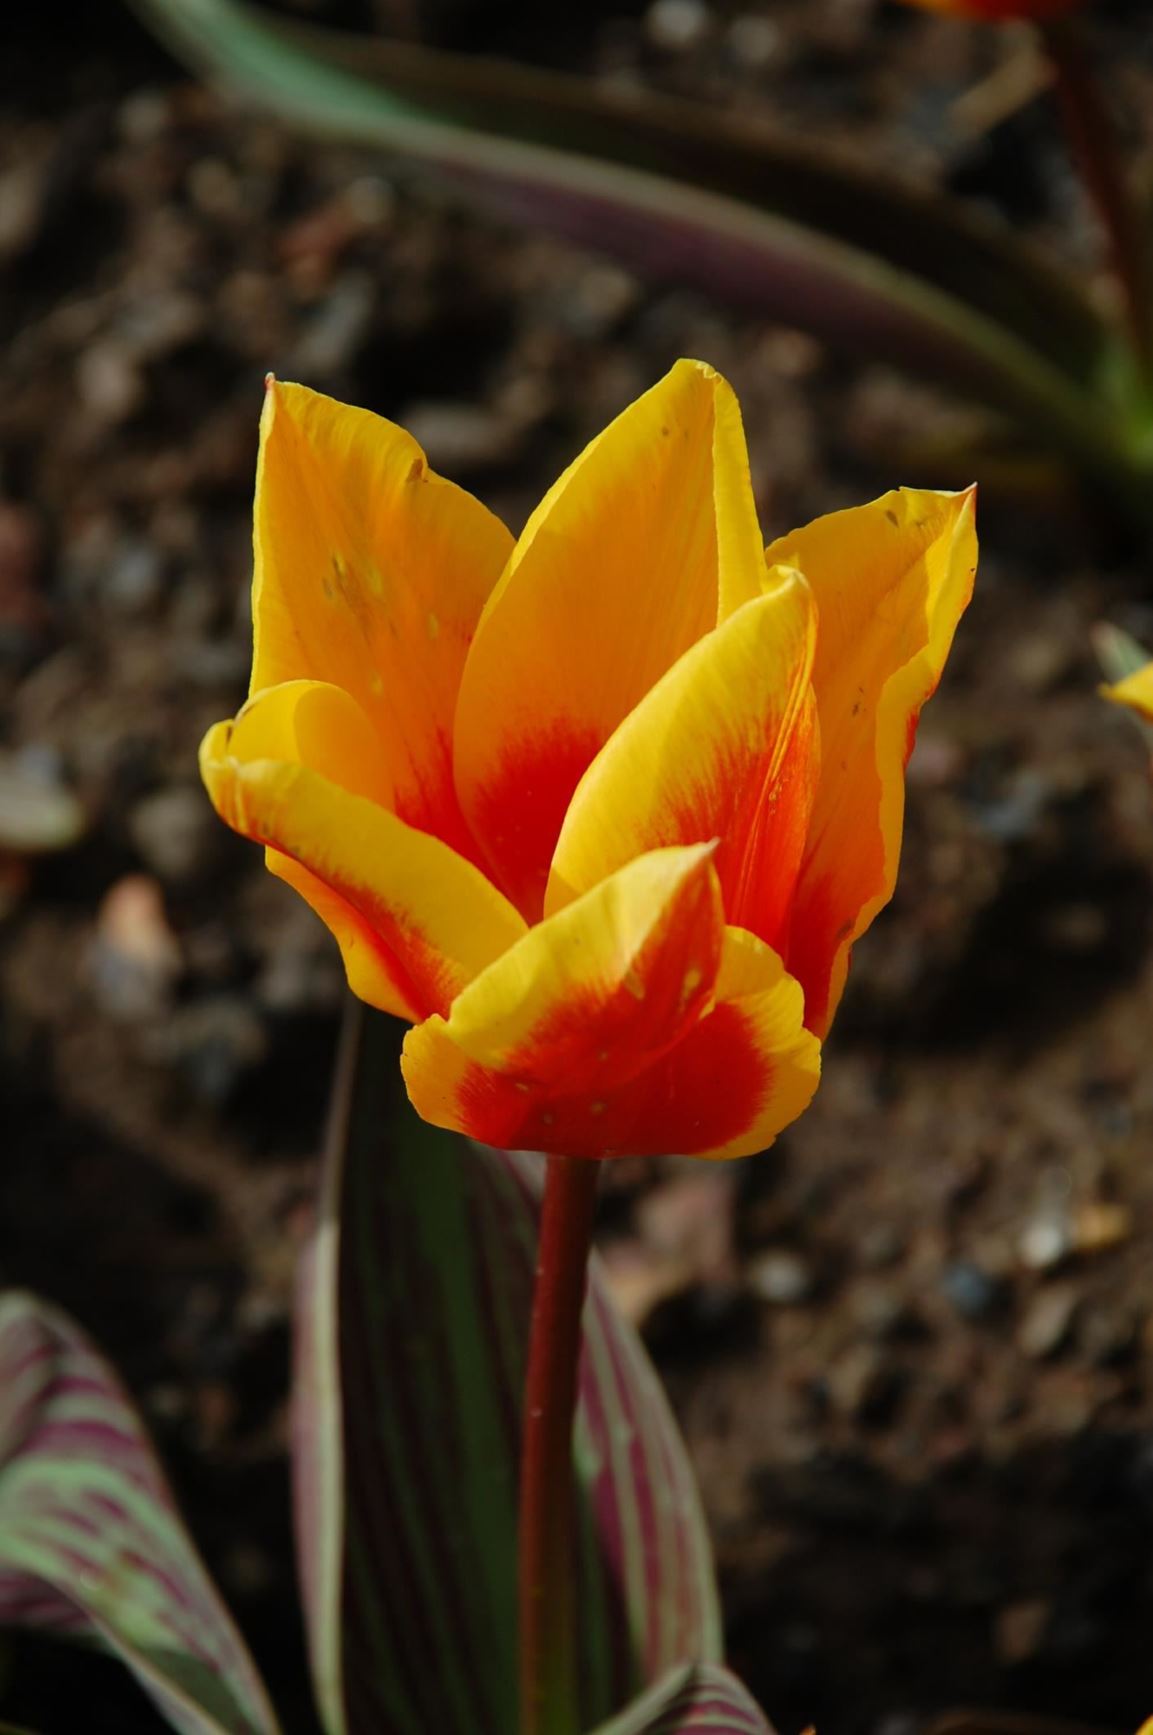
<point x="911" y="1348"/>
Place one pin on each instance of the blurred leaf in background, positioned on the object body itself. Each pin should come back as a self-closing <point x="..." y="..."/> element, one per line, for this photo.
<point x="687" y="194"/>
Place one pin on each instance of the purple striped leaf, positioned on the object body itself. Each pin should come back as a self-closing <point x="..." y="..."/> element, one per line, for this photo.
<point x="91" y="1543"/>
<point x="412" y="1334"/>
<point x="684" y="193"/>
<point x="697" y="1699"/>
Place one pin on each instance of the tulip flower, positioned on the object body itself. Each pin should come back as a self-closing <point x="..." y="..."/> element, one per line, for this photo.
<point x="601" y="810"/>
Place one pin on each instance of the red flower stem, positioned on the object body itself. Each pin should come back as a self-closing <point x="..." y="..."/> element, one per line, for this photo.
<point x="547" y="1567"/>
<point x="1095" y="149"/>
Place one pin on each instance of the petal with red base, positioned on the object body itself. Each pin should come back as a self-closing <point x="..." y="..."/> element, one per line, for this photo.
<point x="744" y="1074"/>
<point x="371" y="572"/>
<point x="622" y="567"/>
<point x="737" y="1074"/>
<point x="891" y="581"/>
<point x="736" y="1079"/>
<point x="724" y="746"/>
<point x="415" y="922"/>
<point x="590" y="997"/>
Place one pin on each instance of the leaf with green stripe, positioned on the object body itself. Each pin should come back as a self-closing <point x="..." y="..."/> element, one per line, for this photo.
<point x="687" y="193"/>
<point x="412" y="1337"/>
<point x="697" y="1699"/>
<point x="91" y="1543"/>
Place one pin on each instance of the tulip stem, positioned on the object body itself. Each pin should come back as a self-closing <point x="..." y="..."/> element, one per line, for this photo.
<point x="1093" y="141"/>
<point x="546" y="1563"/>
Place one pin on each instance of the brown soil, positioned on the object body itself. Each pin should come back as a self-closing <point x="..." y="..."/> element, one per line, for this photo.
<point x="910" y="1348"/>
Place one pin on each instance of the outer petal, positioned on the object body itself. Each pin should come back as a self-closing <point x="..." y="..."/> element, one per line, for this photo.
<point x="891" y="581"/>
<point x="415" y="922"/>
<point x="539" y="1043"/>
<point x="743" y="1074"/>
<point x="736" y="1078"/>
<point x="621" y="568"/>
<point x="723" y="746"/>
<point x="1135" y="691"/>
<point x="371" y="572"/>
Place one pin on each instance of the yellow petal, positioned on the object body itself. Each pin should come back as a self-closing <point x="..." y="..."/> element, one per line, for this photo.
<point x="415" y="921"/>
<point x="891" y="581"/>
<point x="622" y="567"/>
<point x="722" y="747"/>
<point x="1135" y="691"/>
<point x="311" y="723"/>
<point x="539" y="1043"/>
<point x="371" y="572"/>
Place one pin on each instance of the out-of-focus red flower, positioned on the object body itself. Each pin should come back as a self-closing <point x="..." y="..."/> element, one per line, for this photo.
<point x="997" y="11"/>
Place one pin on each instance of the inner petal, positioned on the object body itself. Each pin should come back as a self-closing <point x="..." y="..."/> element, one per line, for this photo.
<point x="620" y="570"/>
<point x="725" y="747"/>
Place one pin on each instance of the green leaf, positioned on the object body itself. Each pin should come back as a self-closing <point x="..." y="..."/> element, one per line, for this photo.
<point x="686" y="193"/>
<point x="701" y="1699"/>
<point x="1118" y="652"/>
<point x="91" y="1543"/>
<point x="412" y="1336"/>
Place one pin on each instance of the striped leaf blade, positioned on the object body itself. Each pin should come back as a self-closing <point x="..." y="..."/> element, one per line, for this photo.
<point x="418" y="1293"/>
<point x="700" y="1699"/>
<point x="682" y="193"/>
<point x="91" y="1543"/>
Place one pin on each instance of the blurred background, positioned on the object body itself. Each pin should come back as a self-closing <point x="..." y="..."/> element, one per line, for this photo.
<point x="912" y="1348"/>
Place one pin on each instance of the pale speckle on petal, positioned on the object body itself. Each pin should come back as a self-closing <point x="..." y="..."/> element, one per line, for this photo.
<point x="693" y="979"/>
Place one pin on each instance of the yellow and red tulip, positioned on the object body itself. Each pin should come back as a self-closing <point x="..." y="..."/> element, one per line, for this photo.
<point x="600" y="810"/>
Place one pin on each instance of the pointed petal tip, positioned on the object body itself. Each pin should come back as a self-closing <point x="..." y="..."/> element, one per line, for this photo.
<point x="1134" y="692"/>
<point x="691" y="364"/>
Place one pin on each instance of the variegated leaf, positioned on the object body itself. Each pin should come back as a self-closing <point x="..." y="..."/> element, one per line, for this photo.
<point x="701" y="1699"/>
<point x="417" y="1295"/>
<point x="91" y="1543"/>
<point x="686" y="194"/>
